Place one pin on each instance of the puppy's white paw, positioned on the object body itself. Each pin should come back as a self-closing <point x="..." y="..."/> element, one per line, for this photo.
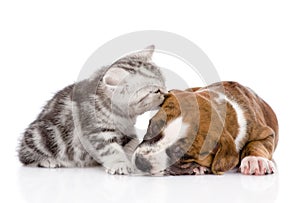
<point x="201" y="170"/>
<point x="119" y="168"/>
<point x="253" y="165"/>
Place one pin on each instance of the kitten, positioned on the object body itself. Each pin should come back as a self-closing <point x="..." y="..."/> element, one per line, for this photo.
<point x="92" y="122"/>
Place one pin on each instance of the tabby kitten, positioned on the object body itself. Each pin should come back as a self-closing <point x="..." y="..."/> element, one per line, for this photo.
<point x="92" y="122"/>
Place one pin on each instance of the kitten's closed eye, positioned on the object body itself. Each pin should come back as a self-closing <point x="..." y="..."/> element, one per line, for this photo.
<point x="131" y="71"/>
<point x="157" y="91"/>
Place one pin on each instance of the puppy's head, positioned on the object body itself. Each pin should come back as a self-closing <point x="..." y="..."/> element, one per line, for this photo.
<point x="170" y="133"/>
<point x="186" y="129"/>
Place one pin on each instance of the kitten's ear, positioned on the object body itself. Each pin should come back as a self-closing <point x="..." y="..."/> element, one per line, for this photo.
<point x="146" y="53"/>
<point x="149" y="50"/>
<point x="114" y="76"/>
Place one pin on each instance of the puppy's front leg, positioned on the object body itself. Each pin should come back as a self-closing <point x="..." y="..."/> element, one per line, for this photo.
<point x="189" y="168"/>
<point x="257" y="157"/>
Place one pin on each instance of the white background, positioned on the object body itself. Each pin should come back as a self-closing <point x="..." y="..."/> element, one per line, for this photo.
<point x="44" y="45"/>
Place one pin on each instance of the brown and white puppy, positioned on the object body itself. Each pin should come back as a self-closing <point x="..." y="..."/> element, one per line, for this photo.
<point x="217" y="128"/>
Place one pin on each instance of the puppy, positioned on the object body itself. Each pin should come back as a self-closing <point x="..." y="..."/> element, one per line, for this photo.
<point x="210" y="129"/>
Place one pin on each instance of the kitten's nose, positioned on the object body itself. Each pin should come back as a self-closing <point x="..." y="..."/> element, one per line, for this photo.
<point x="157" y="91"/>
<point x="142" y="164"/>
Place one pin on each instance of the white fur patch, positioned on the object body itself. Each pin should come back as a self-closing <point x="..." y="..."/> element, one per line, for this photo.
<point x="241" y="122"/>
<point x="240" y="117"/>
<point x="174" y="131"/>
<point x="156" y="153"/>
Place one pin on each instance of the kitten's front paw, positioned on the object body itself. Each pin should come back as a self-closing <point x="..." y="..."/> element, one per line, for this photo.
<point x="253" y="165"/>
<point x="119" y="168"/>
<point x="201" y="170"/>
<point x="49" y="163"/>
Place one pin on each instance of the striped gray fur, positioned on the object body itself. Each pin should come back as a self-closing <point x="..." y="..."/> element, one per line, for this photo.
<point x="92" y="121"/>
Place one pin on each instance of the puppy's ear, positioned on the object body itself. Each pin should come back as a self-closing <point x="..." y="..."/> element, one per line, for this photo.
<point x="155" y="127"/>
<point x="226" y="156"/>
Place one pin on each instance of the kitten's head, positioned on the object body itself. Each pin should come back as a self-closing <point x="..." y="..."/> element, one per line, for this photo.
<point x="134" y="83"/>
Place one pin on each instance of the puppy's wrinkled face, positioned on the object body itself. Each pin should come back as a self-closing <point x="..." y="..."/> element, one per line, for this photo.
<point x="166" y="140"/>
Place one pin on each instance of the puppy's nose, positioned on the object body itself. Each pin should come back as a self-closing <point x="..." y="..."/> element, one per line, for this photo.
<point x="142" y="164"/>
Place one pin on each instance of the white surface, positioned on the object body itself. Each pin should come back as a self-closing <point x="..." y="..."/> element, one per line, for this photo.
<point x="44" y="44"/>
<point x="93" y="185"/>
